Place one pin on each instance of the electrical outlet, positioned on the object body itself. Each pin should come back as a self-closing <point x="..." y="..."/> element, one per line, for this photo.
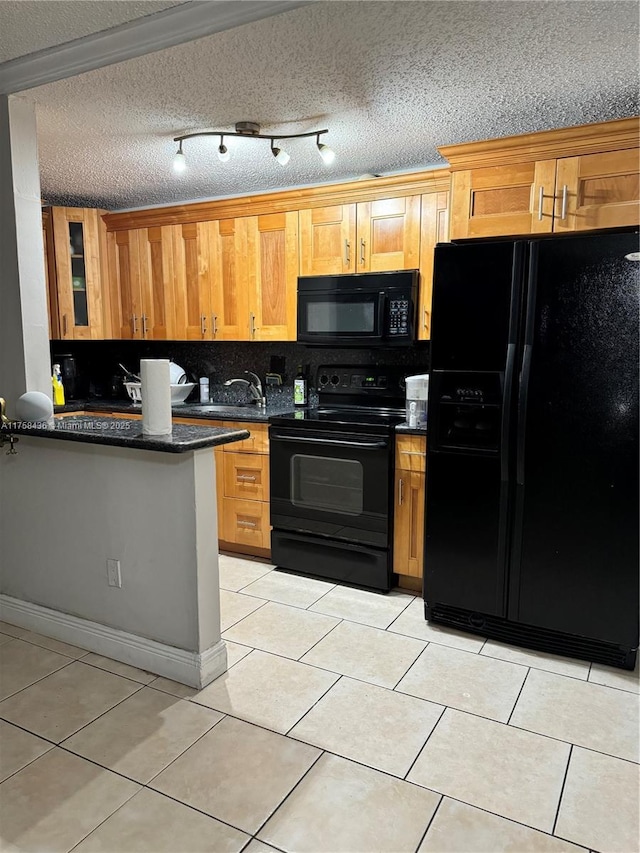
<point x="113" y="573"/>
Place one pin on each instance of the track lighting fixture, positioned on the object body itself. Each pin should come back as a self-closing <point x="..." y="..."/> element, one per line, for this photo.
<point x="179" y="160"/>
<point x="223" y="154"/>
<point x="251" y="130"/>
<point x="280" y="154"/>
<point x="327" y="154"/>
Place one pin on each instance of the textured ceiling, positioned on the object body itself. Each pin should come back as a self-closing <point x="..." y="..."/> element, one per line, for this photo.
<point x="30" y="25"/>
<point x="391" y="80"/>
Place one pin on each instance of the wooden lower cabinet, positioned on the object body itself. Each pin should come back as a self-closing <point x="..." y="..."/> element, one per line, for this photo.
<point x="410" y="480"/>
<point x="242" y="486"/>
<point x="243" y="492"/>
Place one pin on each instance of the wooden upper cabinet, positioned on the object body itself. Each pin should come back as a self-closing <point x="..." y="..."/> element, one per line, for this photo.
<point x="328" y="240"/>
<point x="434" y="229"/>
<point x="388" y="234"/>
<point x="192" y="289"/>
<point x="227" y="264"/>
<point x="140" y="275"/>
<point x="75" y="241"/>
<point x="597" y="191"/>
<point x="155" y="258"/>
<point x="371" y="236"/>
<point x="500" y="200"/>
<point x="124" y="283"/>
<point x="571" y="179"/>
<point x="272" y="252"/>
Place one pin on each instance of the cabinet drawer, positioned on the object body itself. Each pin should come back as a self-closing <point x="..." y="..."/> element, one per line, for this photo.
<point x="246" y="523"/>
<point x="246" y="476"/>
<point x="258" y="441"/>
<point x="411" y="452"/>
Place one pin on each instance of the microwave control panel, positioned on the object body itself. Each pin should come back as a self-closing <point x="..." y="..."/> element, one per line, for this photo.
<point x="398" y="316"/>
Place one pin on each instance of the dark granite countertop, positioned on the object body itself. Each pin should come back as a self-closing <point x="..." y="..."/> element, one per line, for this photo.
<point x="124" y="432"/>
<point x="207" y="411"/>
<point x="405" y="429"/>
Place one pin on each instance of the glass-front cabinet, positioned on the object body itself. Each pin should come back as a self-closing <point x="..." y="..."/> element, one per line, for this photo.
<point x="75" y="238"/>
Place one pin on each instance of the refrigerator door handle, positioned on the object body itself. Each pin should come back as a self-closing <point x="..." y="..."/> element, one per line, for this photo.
<point x="506" y="408"/>
<point x="525" y="373"/>
<point x="523" y="396"/>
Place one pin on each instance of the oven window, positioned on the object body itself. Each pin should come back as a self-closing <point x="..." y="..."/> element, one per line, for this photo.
<point x="332" y="485"/>
<point x="341" y="317"/>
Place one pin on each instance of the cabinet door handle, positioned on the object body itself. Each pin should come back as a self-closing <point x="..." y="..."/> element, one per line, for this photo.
<point x="64" y="326"/>
<point x="565" y="192"/>
<point x="362" y="250"/>
<point x="347" y="253"/>
<point x="412" y="452"/>
<point x="400" y="491"/>
<point x="246" y="523"/>
<point x="424" y="321"/>
<point x="144" y="325"/>
<point x="135" y="324"/>
<point x="252" y="325"/>
<point x="246" y="477"/>
<point x="540" y="202"/>
<point x="203" y="325"/>
<point x="214" y="325"/>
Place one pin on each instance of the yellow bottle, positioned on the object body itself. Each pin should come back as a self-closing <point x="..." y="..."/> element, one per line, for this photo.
<point x="58" y="387"/>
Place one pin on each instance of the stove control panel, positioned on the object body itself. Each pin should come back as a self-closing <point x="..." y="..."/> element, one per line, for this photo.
<point x="334" y="379"/>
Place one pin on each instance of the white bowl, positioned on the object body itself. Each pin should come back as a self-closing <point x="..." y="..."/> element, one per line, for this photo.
<point x="179" y="392"/>
<point x="175" y="373"/>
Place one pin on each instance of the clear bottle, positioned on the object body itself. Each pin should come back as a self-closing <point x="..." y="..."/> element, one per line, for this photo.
<point x="300" y="388"/>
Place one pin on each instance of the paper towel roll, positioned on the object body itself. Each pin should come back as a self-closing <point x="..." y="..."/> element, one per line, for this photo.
<point x="156" y="396"/>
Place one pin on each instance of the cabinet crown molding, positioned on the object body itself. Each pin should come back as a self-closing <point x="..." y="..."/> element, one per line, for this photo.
<point x="411" y="183"/>
<point x="544" y="145"/>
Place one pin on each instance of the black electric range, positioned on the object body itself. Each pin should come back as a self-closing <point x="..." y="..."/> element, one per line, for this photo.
<point x="332" y="478"/>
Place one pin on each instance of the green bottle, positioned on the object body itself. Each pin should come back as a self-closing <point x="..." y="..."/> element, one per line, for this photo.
<point x="300" y="388"/>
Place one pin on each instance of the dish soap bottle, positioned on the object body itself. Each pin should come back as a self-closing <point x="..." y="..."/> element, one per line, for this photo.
<point x="300" y="388"/>
<point x="58" y="387"/>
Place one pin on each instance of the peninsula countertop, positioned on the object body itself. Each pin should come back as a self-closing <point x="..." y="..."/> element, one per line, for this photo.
<point x="125" y="432"/>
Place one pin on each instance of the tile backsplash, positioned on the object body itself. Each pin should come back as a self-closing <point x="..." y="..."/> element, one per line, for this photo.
<point x="97" y="362"/>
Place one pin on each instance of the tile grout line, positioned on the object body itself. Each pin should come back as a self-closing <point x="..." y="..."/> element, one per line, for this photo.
<point x="308" y="711"/>
<point x="286" y="797"/>
<point x="406" y="672"/>
<point x="32" y="684"/>
<point x="324" y="637"/>
<point x="524" y="681"/>
<point x="128" y="800"/>
<point x="562" y="787"/>
<point x="428" y="827"/>
<point x="420" y="751"/>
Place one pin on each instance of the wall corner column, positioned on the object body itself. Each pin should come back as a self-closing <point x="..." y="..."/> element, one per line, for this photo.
<point x="24" y="334"/>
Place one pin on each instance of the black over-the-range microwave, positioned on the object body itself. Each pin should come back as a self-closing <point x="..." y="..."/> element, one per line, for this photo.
<point x="364" y="309"/>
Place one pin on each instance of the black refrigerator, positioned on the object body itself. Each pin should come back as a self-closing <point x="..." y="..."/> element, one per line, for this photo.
<point x="531" y="523"/>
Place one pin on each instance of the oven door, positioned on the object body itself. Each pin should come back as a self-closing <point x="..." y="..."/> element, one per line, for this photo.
<point x="331" y="484"/>
<point x="345" y="318"/>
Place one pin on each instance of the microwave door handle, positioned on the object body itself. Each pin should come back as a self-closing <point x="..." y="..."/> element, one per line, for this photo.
<point x="382" y="301"/>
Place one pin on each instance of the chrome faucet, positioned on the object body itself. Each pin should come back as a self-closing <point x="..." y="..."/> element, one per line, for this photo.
<point x="253" y="385"/>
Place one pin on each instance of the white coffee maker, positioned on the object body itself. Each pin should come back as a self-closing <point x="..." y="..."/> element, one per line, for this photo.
<point x="417" y="395"/>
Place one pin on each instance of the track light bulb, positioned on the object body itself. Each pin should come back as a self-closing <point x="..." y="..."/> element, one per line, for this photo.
<point x="281" y="155"/>
<point x="179" y="161"/>
<point x="327" y="154"/>
<point x="223" y="154"/>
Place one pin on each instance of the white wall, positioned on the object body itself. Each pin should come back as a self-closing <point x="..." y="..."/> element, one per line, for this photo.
<point x="68" y="506"/>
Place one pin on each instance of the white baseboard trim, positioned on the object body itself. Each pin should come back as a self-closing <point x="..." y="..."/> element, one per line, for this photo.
<point x="196" y="669"/>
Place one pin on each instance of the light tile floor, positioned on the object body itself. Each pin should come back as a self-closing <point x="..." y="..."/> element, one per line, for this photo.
<point x="345" y="724"/>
